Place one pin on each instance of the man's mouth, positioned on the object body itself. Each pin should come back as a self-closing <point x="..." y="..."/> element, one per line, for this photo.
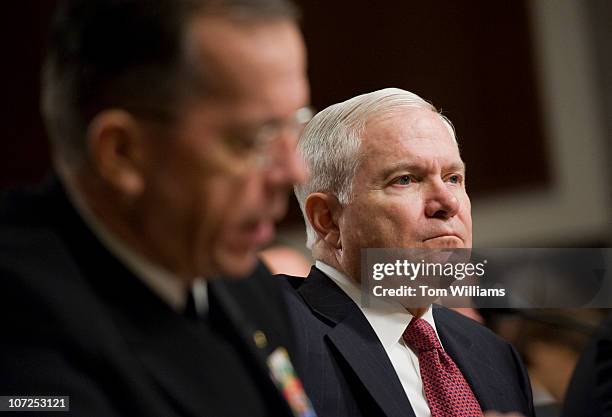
<point x="259" y="233"/>
<point x="443" y="235"/>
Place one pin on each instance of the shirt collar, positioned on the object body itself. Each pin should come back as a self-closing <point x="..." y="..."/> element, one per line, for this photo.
<point x="388" y="319"/>
<point x="166" y="285"/>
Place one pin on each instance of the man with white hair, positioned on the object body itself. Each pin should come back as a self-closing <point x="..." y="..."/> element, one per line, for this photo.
<point x="386" y="173"/>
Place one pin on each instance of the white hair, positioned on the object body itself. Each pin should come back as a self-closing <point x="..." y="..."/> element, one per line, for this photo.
<point x="330" y="143"/>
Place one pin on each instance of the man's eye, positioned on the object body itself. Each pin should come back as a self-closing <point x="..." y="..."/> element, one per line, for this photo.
<point x="455" y="179"/>
<point x="403" y="180"/>
<point x="256" y="139"/>
<point x="243" y="143"/>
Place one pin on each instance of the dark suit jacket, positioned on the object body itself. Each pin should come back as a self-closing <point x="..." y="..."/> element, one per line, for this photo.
<point x="347" y="372"/>
<point x="590" y="391"/>
<point x="76" y="322"/>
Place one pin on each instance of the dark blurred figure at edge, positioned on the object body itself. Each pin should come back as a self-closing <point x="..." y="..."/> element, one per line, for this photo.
<point x="173" y="125"/>
<point x="550" y="341"/>
<point x="590" y="389"/>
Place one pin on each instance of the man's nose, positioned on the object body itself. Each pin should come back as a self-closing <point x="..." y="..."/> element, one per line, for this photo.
<point x="440" y="201"/>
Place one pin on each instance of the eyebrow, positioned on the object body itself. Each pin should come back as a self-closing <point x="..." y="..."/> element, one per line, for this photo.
<point x="410" y="167"/>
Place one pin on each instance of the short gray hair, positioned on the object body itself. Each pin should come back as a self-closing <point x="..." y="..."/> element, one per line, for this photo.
<point x="330" y="143"/>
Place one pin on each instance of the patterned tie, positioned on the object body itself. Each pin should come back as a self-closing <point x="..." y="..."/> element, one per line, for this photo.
<point x="448" y="393"/>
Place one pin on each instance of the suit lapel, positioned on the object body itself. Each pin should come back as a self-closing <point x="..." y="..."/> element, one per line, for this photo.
<point x="354" y="340"/>
<point x="472" y="359"/>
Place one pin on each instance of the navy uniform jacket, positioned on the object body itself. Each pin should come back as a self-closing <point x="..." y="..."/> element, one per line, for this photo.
<point x="76" y="322"/>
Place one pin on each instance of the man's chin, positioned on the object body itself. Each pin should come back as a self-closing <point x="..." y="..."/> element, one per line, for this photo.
<point x="236" y="265"/>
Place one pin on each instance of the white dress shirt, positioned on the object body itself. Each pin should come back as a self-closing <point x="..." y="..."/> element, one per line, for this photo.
<point x="170" y="288"/>
<point x="389" y="320"/>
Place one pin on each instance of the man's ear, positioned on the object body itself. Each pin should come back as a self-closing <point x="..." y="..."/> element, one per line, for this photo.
<point x="116" y="149"/>
<point x="323" y="211"/>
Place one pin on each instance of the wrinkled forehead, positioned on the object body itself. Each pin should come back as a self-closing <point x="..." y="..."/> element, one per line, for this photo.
<point x="408" y="133"/>
<point x="405" y="124"/>
<point x="417" y="118"/>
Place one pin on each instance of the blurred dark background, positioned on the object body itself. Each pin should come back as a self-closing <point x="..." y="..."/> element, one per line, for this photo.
<point x="527" y="84"/>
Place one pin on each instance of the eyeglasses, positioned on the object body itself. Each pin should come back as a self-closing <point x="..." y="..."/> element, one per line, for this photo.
<point x="256" y="144"/>
<point x="244" y="148"/>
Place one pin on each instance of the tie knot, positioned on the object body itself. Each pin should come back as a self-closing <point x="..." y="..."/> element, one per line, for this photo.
<point x="421" y="336"/>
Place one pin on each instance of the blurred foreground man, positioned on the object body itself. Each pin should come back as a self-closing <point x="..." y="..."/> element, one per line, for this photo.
<point x="386" y="173"/>
<point x="173" y="126"/>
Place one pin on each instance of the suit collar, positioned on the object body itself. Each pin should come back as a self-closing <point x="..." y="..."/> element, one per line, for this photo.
<point x="389" y="319"/>
<point x="165" y="284"/>
<point x="355" y="340"/>
<point x="325" y="298"/>
<point x="148" y="326"/>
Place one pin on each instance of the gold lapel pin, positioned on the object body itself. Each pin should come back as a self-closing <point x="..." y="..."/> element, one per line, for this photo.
<point x="260" y="339"/>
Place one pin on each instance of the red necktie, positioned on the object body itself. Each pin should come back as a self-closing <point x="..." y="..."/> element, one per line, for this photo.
<point x="448" y="393"/>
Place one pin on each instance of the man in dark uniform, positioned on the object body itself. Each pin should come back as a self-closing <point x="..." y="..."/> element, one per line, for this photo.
<point x="173" y="126"/>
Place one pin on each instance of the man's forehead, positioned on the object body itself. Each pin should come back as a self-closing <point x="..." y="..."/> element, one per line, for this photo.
<point x="226" y="46"/>
<point x="407" y="136"/>
<point x="410" y="118"/>
<point x="257" y="59"/>
<point x="404" y="125"/>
